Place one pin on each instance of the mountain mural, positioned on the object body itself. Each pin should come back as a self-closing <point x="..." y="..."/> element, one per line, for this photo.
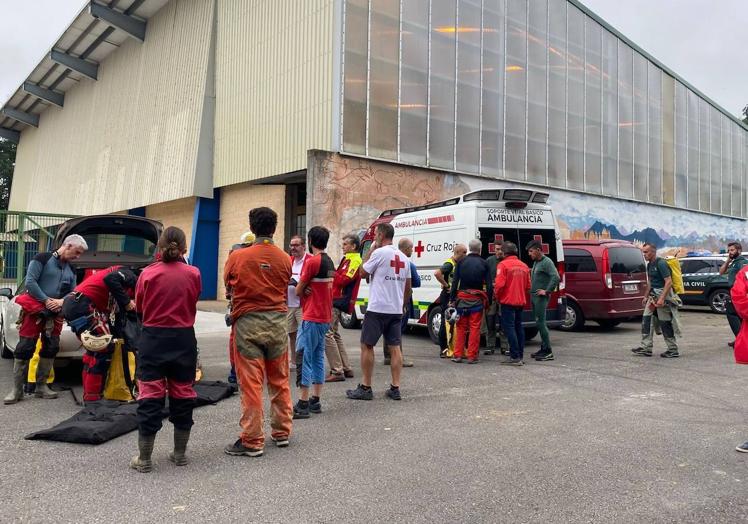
<point x="646" y="235"/>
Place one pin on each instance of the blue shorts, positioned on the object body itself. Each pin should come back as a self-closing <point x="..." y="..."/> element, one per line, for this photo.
<point x="310" y="339"/>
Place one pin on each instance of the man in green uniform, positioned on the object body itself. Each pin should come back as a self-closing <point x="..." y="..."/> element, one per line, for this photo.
<point x="734" y="263"/>
<point x="493" y="312"/>
<point x="544" y="279"/>
<point x="660" y="304"/>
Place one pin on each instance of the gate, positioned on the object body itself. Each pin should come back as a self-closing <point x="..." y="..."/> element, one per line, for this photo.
<point x="22" y="236"/>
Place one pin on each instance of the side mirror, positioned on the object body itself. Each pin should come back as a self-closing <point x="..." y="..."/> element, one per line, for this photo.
<point x="6" y="292"/>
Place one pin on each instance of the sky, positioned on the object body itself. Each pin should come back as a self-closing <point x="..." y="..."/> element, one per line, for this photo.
<point x="701" y="40"/>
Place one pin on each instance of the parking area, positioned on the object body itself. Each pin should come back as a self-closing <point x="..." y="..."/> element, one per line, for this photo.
<point x="596" y="435"/>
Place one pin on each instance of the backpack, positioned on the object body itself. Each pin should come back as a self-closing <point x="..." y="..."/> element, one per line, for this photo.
<point x="675" y="274"/>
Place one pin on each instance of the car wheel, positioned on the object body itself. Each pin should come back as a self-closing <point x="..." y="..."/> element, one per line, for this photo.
<point x="435" y="323"/>
<point x="349" y="321"/>
<point x="530" y="333"/>
<point x="718" y="300"/>
<point x="607" y="323"/>
<point x="574" y="320"/>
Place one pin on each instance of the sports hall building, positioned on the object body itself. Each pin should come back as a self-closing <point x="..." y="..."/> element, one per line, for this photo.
<point x="330" y="111"/>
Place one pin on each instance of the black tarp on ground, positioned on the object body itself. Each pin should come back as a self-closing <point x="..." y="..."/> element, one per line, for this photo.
<point x="104" y="420"/>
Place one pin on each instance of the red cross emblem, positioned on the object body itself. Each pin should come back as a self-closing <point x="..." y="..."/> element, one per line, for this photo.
<point x="419" y="249"/>
<point x="397" y="264"/>
<point x="544" y="247"/>
<point x="497" y="239"/>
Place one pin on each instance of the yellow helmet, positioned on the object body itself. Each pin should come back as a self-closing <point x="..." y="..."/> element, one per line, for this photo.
<point x="247" y="238"/>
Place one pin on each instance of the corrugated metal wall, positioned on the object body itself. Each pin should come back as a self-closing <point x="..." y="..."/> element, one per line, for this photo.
<point x="274" y="86"/>
<point x="131" y="138"/>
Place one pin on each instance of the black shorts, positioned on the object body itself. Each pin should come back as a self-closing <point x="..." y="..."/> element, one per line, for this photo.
<point x="167" y="353"/>
<point x="377" y="324"/>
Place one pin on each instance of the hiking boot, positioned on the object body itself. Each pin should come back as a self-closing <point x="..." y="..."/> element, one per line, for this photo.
<point x="42" y="374"/>
<point x="387" y="361"/>
<point x="472" y="361"/>
<point x="142" y="461"/>
<point x="20" y="371"/>
<point x="300" y="411"/>
<point x="743" y="448"/>
<point x="457" y="360"/>
<point x="360" y="393"/>
<point x="335" y="377"/>
<point x="315" y="406"/>
<point x="280" y="442"/>
<point x="489" y="351"/>
<point x="348" y="373"/>
<point x="394" y="393"/>
<point x="237" y="449"/>
<point x="670" y="353"/>
<point x="512" y="362"/>
<point x="181" y="437"/>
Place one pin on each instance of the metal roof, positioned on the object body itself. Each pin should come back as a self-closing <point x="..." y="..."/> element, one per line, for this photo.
<point x="98" y="30"/>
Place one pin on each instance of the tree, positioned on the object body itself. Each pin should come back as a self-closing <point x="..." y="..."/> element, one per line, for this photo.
<point x="745" y="114"/>
<point x="7" y="163"/>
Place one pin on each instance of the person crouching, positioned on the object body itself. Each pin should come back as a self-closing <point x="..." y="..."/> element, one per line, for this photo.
<point x="166" y="297"/>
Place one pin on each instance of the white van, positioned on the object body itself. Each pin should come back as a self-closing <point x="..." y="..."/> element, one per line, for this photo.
<point x="516" y="215"/>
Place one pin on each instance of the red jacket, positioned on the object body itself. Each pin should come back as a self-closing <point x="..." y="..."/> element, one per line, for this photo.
<point x="166" y="295"/>
<point x="739" y="294"/>
<point x="512" y="282"/>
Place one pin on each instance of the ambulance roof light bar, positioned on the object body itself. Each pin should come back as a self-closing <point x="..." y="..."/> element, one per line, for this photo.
<point x="434" y="205"/>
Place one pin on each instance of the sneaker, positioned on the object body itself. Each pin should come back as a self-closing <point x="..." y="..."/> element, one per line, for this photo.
<point x="360" y="393"/>
<point x="538" y="352"/>
<point x="237" y="449"/>
<point x="300" y="412"/>
<point x="639" y="349"/>
<point x="407" y="363"/>
<point x="394" y="394"/>
<point x="315" y="406"/>
<point x="545" y="355"/>
<point x="348" y="374"/>
<point x="335" y="377"/>
<point x="472" y="361"/>
<point x="743" y="448"/>
<point x="457" y="360"/>
<point x="641" y="352"/>
<point x="670" y="353"/>
<point x="280" y="442"/>
<point x="504" y="351"/>
<point x="386" y="361"/>
<point x="513" y="362"/>
<point x="489" y="351"/>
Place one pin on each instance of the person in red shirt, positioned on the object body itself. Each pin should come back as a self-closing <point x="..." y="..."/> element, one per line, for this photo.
<point x="87" y="312"/>
<point x="315" y="290"/>
<point x="166" y="298"/>
<point x="510" y="289"/>
<point x="258" y="277"/>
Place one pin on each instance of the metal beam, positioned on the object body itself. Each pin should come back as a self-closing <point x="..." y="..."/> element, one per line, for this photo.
<point x="23" y="117"/>
<point x="10" y="135"/>
<point x="84" y="67"/>
<point x="53" y="97"/>
<point x="132" y="26"/>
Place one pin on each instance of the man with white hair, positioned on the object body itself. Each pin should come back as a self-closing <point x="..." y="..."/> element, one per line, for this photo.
<point x="471" y="289"/>
<point x="48" y="279"/>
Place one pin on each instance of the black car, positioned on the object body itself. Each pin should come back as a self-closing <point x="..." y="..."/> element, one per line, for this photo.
<point x="702" y="283"/>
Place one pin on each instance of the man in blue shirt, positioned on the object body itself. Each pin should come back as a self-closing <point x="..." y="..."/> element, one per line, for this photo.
<point x="48" y="279"/>
<point x="406" y="246"/>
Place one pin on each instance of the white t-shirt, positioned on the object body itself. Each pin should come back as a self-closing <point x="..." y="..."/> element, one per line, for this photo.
<point x="296" y="267"/>
<point x="389" y="269"/>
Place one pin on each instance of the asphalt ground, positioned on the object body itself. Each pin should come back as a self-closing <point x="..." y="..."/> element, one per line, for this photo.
<point x="598" y="435"/>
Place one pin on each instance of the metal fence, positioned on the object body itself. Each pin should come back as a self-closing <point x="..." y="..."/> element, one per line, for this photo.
<point x="22" y="236"/>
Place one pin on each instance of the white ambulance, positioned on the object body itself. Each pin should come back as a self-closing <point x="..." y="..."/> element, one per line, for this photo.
<point x="492" y="215"/>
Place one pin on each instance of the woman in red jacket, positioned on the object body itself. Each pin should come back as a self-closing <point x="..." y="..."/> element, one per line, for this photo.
<point x="166" y="297"/>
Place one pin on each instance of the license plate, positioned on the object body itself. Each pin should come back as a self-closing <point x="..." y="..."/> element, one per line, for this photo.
<point x="630" y="288"/>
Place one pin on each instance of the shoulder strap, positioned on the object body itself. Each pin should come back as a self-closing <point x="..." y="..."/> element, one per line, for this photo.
<point x="43" y="258"/>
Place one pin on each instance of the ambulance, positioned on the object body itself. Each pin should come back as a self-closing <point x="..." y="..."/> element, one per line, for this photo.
<point x="491" y="215"/>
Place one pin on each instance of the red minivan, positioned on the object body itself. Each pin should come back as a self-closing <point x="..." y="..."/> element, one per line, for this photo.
<point x="605" y="282"/>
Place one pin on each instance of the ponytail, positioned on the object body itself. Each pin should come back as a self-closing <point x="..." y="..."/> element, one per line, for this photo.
<point x="172" y="244"/>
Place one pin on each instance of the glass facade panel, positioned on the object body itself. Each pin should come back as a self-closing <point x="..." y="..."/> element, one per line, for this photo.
<point x="557" y="93"/>
<point x="668" y="138"/>
<point x="593" y="107"/>
<point x="537" y="108"/>
<point x="442" y="83"/>
<point x="715" y="160"/>
<point x="726" y="158"/>
<point x="737" y="183"/>
<point x="625" y="120"/>
<point x="355" y="76"/>
<point x="681" y="145"/>
<point x="516" y="90"/>
<point x="610" y="114"/>
<point x="384" y="78"/>
<point x="704" y="155"/>
<point x="468" y="85"/>
<point x="575" y="100"/>
<point x="694" y="150"/>
<point x="654" y="113"/>
<point x="492" y="125"/>
<point x="414" y="81"/>
<point x="641" y="140"/>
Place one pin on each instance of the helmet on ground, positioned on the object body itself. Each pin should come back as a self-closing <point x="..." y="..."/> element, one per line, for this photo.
<point x="451" y="315"/>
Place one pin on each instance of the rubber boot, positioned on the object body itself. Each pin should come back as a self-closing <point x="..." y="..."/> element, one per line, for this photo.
<point x="20" y="371"/>
<point x="178" y="457"/>
<point x="142" y="461"/>
<point x="42" y="374"/>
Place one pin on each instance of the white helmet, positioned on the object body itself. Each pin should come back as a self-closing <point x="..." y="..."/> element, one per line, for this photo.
<point x="95" y="343"/>
<point x="451" y="315"/>
<point x="247" y="238"/>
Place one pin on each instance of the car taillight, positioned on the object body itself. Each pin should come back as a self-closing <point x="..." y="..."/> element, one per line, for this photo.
<point x="561" y="266"/>
<point x="606" y="270"/>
